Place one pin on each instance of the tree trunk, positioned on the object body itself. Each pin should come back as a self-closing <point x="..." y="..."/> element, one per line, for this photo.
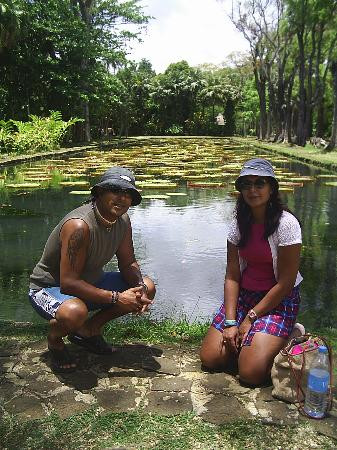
<point x="333" y="139"/>
<point x="309" y="96"/>
<point x="86" y="114"/>
<point x="320" y="127"/>
<point x="288" y="113"/>
<point x="301" y="118"/>
<point x="86" y="15"/>
<point x="260" y="83"/>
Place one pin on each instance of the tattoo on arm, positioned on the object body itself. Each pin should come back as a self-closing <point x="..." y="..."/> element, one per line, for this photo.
<point x="76" y="241"/>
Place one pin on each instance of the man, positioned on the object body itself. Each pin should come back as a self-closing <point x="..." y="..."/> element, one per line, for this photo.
<point x="69" y="281"/>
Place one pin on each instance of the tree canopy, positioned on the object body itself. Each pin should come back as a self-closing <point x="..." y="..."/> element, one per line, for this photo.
<point x="72" y="56"/>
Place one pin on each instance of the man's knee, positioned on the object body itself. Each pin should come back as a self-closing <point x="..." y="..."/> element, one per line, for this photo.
<point x="72" y="314"/>
<point x="151" y="287"/>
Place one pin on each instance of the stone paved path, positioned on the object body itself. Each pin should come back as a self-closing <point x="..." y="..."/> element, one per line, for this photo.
<point x="159" y="379"/>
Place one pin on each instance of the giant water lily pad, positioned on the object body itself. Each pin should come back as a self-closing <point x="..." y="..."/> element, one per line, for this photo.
<point x="176" y="194"/>
<point x="304" y="178"/>
<point x="37" y="179"/>
<point x="331" y="183"/>
<point x="204" y="185"/>
<point x="156" y="185"/>
<point x="327" y="175"/>
<point x="286" y="189"/>
<point x="156" y="196"/>
<point x="74" y="183"/>
<point x="80" y="192"/>
<point x="22" y="185"/>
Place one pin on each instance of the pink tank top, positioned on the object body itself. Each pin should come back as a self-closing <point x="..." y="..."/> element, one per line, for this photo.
<point x="259" y="273"/>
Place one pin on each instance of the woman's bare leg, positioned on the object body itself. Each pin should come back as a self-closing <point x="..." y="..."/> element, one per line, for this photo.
<point x="256" y="360"/>
<point x="213" y="353"/>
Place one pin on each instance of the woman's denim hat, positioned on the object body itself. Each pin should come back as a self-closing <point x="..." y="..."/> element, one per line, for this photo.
<point x="119" y="177"/>
<point x="257" y="166"/>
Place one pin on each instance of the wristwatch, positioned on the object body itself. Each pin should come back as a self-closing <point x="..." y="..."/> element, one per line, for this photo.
<point x="252" y="316"/>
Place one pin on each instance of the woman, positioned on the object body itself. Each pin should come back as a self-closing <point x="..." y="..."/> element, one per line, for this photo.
<point x="261" y="292"/>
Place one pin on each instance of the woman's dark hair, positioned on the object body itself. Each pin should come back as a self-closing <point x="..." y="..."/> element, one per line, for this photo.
<point x="274" y="211"/>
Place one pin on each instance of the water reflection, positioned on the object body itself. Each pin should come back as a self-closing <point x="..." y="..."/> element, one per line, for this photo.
<point x="181" y="244"/>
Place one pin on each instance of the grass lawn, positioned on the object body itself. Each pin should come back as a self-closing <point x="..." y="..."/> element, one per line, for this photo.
<point x="308" y="154"/>
<point x="92" y="430"/>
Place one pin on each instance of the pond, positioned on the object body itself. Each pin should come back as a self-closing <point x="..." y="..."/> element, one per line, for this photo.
<point x="180" y="240"/>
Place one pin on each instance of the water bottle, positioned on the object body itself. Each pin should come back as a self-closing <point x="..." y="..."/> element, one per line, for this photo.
<point x="316" y="398"/>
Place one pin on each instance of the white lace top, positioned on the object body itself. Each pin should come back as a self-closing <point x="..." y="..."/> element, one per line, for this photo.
<point x="287" y="233"/>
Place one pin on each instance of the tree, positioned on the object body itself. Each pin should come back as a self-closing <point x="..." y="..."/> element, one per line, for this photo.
<point x="333" y="140"/>
<point x="63" y="55"/>
<point x="175" y="95"/>
<point x="10" y="18"/>
<point x="312" y="21"/>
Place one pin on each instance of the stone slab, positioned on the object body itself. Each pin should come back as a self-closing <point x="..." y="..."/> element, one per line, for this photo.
<point x="327" y="427"/>
<point x="168" y="404"/>
<point x="162" y="365"/>
<point x="65" y="404"/>
<point x="224" y="409"/>
<point x="217" y="383"/>
<point x="8" y="390"/>
<point x="25" y="406"/>
<point x="117" y="400"/>
<point x="81" y="380"/>
<point x="171" y="384"/>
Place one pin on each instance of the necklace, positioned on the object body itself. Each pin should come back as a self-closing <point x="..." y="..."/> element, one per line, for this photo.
<point x="106" y="223"/>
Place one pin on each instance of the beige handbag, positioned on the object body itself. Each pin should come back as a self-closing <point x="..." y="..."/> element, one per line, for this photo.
<point x="291" y="366"/>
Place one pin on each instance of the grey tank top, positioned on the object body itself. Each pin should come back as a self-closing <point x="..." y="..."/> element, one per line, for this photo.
<point x="102" y="247"/>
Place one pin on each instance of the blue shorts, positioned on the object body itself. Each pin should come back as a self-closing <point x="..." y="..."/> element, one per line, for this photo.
<point x="46" y="301"/>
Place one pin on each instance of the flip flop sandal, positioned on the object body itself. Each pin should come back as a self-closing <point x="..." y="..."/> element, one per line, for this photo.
<point x="61" y="358"/>
<point x="94" y="344"/>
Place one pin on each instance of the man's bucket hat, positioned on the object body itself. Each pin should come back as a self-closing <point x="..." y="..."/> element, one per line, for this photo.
<point x="257" y="166"/>
<point x="119" y="177"/>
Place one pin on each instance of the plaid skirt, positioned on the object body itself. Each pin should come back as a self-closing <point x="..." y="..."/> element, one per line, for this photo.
<point x="279" y="322"/>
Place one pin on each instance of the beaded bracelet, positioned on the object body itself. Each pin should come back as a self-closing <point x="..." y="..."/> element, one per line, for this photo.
<point x="114" y="297"/>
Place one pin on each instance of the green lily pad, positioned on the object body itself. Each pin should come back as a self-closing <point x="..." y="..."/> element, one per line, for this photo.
<point x="73" y="183"/>
<point x="156" y="185"/>
<point x="331" y="183"/>
<point x="155" y="196"/>
<point x="22" y="185"/>
<point x="80" y="192"/>
<point x="176" y="194"/>
<point x="327" y="175"/>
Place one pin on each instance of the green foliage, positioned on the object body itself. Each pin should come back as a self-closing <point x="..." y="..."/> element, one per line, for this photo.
<point x="174" y="130"/>
<point x="10" y="16"/>
<point x="40" y="134"/>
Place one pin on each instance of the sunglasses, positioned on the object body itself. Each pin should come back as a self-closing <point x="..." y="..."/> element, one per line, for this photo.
<point x="245" y="185"/>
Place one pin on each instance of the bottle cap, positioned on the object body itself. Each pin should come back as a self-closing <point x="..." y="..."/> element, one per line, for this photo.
<point x="322" y="349"/>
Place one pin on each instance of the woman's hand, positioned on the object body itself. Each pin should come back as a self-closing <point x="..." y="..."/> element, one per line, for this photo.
<point x="244" y="329"/>
<point x="231" y="338"/>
